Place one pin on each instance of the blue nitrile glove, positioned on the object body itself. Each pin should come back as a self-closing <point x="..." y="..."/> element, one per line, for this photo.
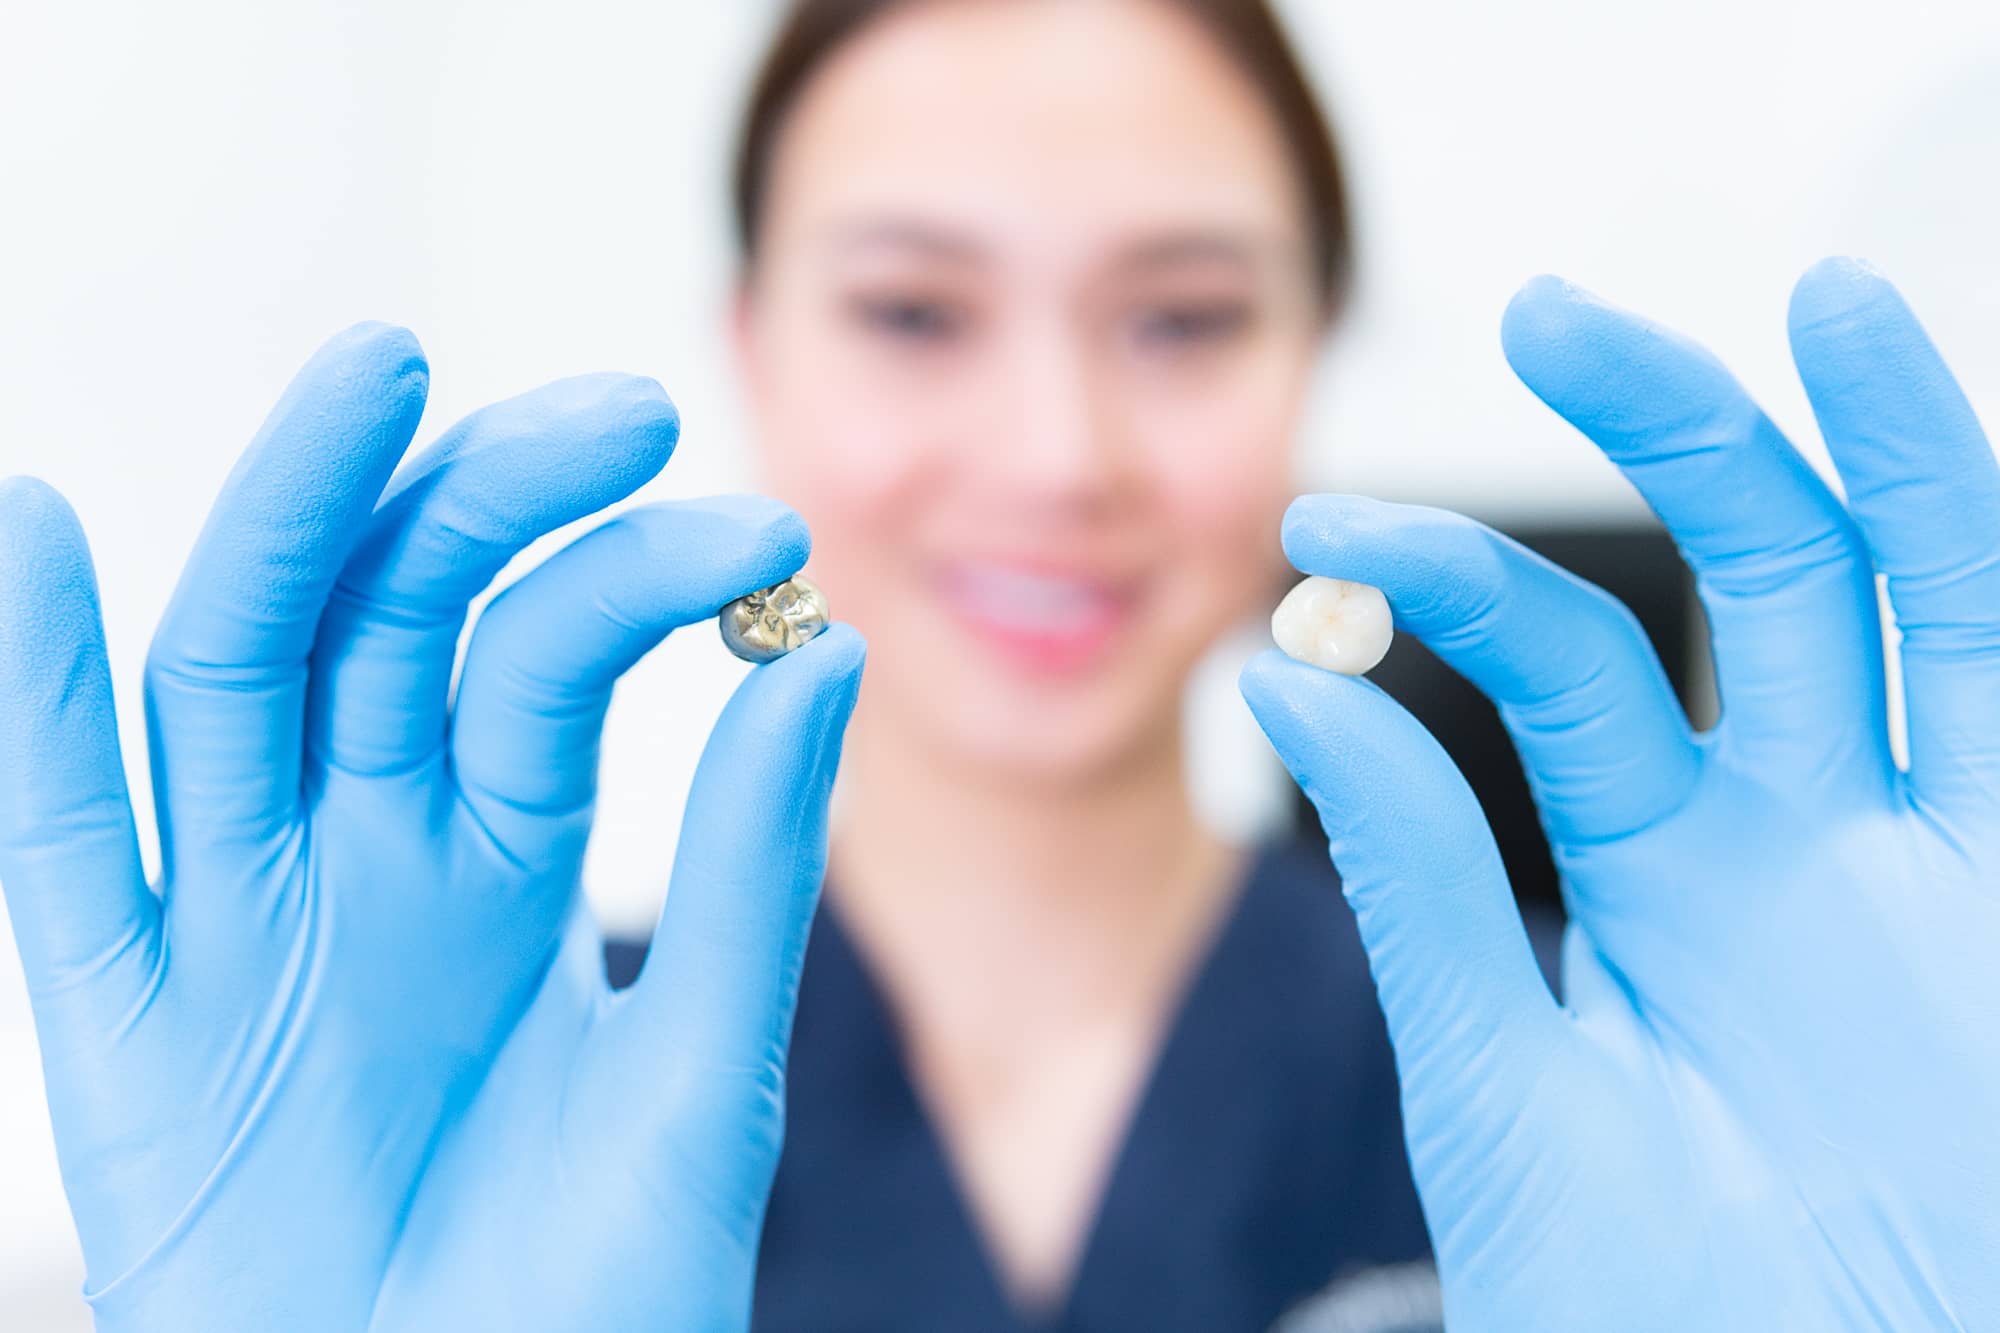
<point x="355" y="1065"/>
<point x="1771" y="1099"/>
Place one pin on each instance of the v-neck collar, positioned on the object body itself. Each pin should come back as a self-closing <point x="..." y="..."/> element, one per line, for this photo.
<point x="1143" y="1107"/>
<point x="1223" y="1167"/>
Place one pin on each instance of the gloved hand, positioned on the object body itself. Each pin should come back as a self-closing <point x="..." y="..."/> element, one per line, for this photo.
<point x="1771" y="1097"/>
<point x="355" y="1065"/>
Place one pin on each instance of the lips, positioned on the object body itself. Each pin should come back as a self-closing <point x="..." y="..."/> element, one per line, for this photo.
<point x="1040" y="620"/>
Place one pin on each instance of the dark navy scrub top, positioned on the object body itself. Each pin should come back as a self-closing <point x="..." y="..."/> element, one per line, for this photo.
<point x="1263" y="1174"/>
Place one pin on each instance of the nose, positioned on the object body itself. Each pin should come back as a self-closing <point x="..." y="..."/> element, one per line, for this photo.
<point x="1060" y="436"/>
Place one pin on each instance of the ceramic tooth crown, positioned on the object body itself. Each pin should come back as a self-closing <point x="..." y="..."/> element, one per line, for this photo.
<point x="1334" y="624"/>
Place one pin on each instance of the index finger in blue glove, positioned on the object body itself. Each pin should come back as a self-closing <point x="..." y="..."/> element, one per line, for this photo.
<point x="1605" y="744"/>
<point x="1467" y="1008"/>
<point x="1781" y="567"/>
<point x="226" y="678"/>
<point x="69" y="854"/>
<point x="544" y="657"/>
<point x="1922" y="480"/>
<point x="507" y="474"/>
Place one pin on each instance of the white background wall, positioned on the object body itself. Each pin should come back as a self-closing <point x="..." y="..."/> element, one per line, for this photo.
<point x="193" y="195"/>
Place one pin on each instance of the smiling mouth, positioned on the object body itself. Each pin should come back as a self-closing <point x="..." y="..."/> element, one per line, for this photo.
<point x="1044" y="621"/>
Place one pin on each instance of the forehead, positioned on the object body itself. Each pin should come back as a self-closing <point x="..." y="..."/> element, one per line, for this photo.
<point x="1057" y="123"/>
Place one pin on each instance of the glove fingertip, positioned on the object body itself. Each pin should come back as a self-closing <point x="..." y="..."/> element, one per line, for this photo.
<point x="45" y="569"/>
<point x="1299" y="707"/>
<point x="34" y="515"/>
<point x="632" y="410"/>
<point x="1543" y="311"/>
<point x="786" y="542"/>
<point x="1543" y="335"/>
<point x="827" y="671"/>
<point x="846" y="646"/>
<point x="1619" y="378"/>
<point x="1316" y="527"/>
<point x="1353" y="749"/>
<point x="789" y="716"/>
<point x="837" y="649"/>
<point x="1261" y="683"/>
<point x="390" y="353"/>
<point x="1839" y="291"/>
<point x="749" y="541"/>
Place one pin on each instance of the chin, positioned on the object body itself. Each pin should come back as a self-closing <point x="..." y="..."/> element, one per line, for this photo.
<point x="1058" y="732"/>
<point x="1020" y="751"/>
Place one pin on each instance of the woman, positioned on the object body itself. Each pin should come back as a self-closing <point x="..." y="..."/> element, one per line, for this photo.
<point x="353" y="1062"/>
<point x="1032" y="299"/>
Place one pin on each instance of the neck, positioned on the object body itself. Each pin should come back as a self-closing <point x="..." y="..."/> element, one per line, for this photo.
<point x="1058" y="895"/>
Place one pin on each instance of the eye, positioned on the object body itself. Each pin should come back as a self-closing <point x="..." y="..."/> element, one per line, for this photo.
<point x="1192" y="325"/>
<point x="909" y="319"/>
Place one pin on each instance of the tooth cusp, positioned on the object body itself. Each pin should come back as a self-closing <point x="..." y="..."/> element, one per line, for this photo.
<point x="771" y="622"/>
<point x="1334" y="624"/>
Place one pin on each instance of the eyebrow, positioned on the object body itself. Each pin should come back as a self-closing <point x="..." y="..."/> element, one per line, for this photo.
<point x="908" y="234"/>
<point x="1178" y="248"/>
<point x="1164" y="250"/>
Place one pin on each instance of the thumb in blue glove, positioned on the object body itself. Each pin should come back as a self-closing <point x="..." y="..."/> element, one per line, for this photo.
<point x="352" y="1063"/>
<point x="1768" y="1099"/>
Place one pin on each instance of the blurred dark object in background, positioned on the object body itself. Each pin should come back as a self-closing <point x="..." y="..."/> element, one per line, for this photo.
<point x="1637" y="565"/>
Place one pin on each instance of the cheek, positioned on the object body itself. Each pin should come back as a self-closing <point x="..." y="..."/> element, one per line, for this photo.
<point x="876" y="446"/>
<point x="864" y="476"/>
<point x="842" y="475"/>
<point x="1228" y="562"/>
<point x="1222" y="479"/>
<point x="1234" y="501"/>
<point x="861" y="493"/>
<point x="833" y="444"/>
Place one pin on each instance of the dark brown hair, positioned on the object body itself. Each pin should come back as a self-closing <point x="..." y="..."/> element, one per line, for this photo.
<point x="1246" y="29"/>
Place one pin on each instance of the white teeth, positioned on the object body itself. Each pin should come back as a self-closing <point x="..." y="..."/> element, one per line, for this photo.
<point x="1334" y="624"/>
<point x="1028" y="601"/>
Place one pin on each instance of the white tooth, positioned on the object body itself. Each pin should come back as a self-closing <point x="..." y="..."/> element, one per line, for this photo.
<point x="1028" y="600"/>
<point x="1334" y="624"/>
